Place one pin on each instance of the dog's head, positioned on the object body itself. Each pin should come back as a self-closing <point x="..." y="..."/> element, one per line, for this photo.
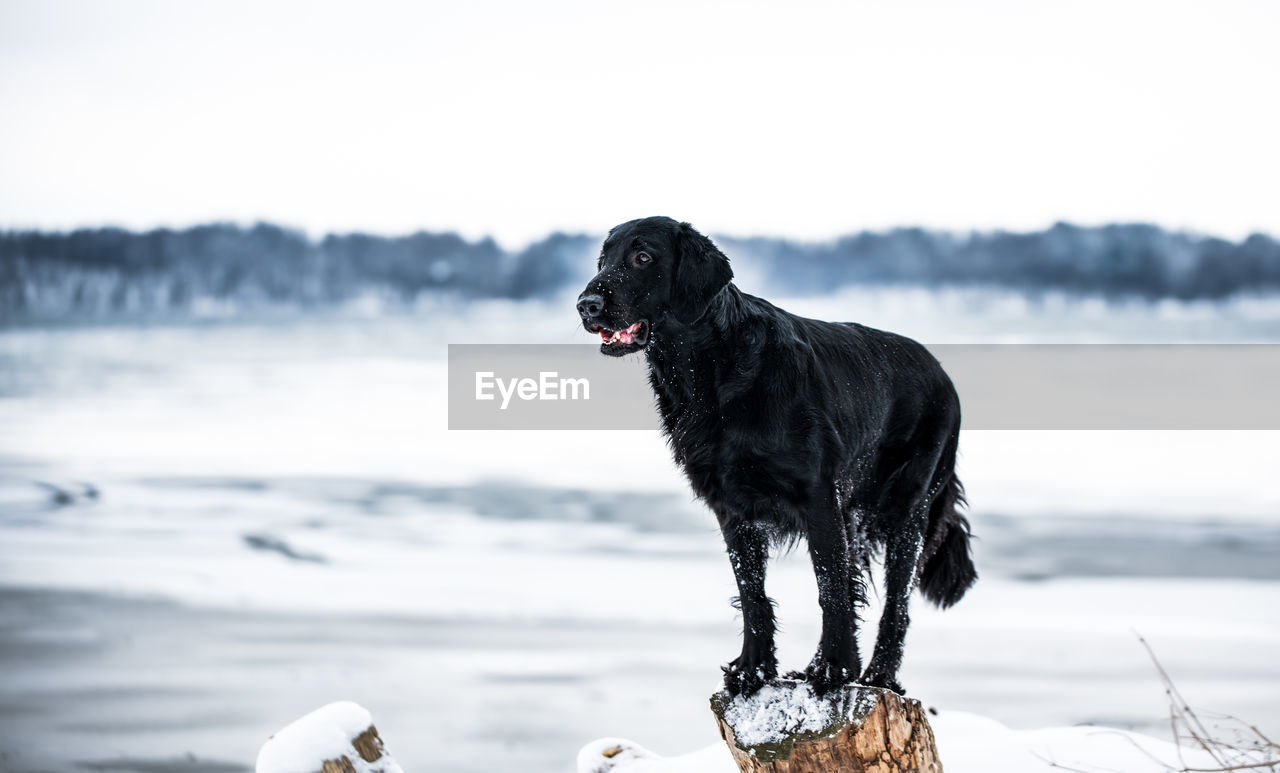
<point x="652" y="272"/>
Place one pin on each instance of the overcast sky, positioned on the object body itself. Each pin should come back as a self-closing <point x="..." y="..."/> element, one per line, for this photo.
<point x="517" y="118"/>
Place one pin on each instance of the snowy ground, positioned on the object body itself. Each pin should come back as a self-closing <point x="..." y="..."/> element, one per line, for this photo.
<point x="276" y="518"/>
<point x="967" y="743"/>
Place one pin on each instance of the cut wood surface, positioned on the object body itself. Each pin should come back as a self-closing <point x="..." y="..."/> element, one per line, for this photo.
<point x="785" y="728"/>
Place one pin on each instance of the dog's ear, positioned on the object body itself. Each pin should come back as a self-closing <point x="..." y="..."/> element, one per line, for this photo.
<point x="702" y="270"/>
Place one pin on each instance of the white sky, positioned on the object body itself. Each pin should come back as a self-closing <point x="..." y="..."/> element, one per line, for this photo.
<point x="516" y="118"/>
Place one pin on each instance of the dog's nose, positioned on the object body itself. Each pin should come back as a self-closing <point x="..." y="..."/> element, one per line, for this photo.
<point x="590" y="305"/>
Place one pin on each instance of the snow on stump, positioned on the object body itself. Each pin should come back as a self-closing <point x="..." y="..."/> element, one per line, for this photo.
<point x="785" y="728"/>
<point x="338" y="738"/>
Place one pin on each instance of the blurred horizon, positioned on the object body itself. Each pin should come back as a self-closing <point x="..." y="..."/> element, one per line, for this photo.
<point x="224" y="269"/>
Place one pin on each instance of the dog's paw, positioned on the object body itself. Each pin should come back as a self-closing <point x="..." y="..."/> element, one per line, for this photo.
<point x="746" y="680"/>
<point x="821" y="671"/>
<point x="874" y="679"/>
<point x="802" y="676"/>
<point x="824" y="676"/>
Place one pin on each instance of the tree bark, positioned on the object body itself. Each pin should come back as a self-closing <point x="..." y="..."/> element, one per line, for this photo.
<point x="368" y="747"/>
<point x="337" y="738"/>
<point x="868" y="730"/>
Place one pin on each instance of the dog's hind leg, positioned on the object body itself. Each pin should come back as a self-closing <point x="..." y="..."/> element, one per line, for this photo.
<point x="901" y="554"/>
<point x="905" y="512"/>
<point x="748" y="546"/>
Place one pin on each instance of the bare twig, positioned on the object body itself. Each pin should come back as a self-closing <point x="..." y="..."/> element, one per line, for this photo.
<point x="1139" y="747"/>
<point x="1186" y="724"/>
<point x="1244" y="766"/>
<point x="1179" y="707"/>
<point x="1258" y="733"/>
<point x="1059" y="765"/>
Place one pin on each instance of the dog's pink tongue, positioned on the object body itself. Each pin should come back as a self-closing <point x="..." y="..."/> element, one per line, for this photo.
<point x="620" y="336"/>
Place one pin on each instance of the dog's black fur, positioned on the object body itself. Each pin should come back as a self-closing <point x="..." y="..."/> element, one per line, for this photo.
<point x="790" y="427"/>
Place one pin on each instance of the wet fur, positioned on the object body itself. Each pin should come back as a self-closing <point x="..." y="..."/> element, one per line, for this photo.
<point x="792" y="428"/>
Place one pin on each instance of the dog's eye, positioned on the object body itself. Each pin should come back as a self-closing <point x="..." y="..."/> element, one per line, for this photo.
<point x="642" y="257"/>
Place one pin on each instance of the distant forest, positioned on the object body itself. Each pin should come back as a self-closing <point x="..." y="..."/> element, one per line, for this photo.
<point x="219" y="268"/>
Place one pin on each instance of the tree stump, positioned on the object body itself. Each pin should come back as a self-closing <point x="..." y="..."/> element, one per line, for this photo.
<point x="337" y="738"/>
<point x="785" y="728"/>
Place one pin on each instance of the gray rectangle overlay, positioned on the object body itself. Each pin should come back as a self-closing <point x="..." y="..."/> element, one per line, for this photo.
<point x="1001" y="386"/>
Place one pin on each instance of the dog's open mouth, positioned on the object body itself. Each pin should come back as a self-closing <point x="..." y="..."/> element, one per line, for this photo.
<point x="625" y="340"/>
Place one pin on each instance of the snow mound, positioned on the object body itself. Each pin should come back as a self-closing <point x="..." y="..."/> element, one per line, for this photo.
<point x="618" y="755"/>
<point x="606" y="754"/>
<point x="967" y="743"/>
<point x="325" y="734"/>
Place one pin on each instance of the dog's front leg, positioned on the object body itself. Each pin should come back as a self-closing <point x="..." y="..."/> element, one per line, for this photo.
<point x="836" y="662"/>
<point x="748" y="547"/>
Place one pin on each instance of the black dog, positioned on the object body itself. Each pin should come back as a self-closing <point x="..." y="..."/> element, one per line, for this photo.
<point x="789" y="427"/>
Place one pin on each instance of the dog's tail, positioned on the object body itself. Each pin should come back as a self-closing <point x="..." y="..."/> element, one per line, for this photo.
<point x="946" y="568"/>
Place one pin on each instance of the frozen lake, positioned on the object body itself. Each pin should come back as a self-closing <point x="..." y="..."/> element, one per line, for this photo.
<point x="207" y="530"/>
